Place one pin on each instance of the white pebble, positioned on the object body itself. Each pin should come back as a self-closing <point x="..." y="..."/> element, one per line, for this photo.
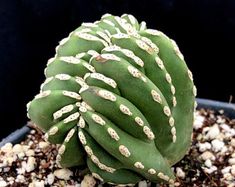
<point x="231" y="161"/>
<point x="50" y="178"/>
<point x="210" y="170"/>
<point x="38" y="183"/>
<point x="43" y="145"/>
<point x="204" y="146"/>
<point x="31" y="163"/>
<point x="142" y="184"/>
<point x="63" y="174"/>
<point x="232" y="142"/>
<point x="213" y="132"/>
<point x="17" y="149"/>
<point x="205" y="130"/>
<point x="233" y="155"/>
<point x="226" y="169"/>
<point x="21" y="155"/>
<point x="225" y="127"/>
<point x="217" y="145"/>
<point x="7" y="148"/>
<point x="228" y="176"/>
<point x="30" y="152"/>
<point x="208" y="163"/>
<point x="180" y="173"/>
<point x="3" y="183"/>
<point x="233" y="170"/>
<point x="198" y="121"/>
<point x="207" y="155"/>
<point x="88" y="181"/>
<point x="20" y="179"/>
<point x="25" y="148"/>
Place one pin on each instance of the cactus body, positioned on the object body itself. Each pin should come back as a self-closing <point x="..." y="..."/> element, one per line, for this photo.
<point x="119" y="97"/>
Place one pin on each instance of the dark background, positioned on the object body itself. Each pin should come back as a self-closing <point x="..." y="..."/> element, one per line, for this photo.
<point x="30" y="30"/>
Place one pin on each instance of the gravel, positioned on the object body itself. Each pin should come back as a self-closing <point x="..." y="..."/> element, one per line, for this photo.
<point x="209" y="162"/>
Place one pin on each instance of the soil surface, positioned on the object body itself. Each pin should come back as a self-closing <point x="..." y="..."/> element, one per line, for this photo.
<point x="210" y="161"/>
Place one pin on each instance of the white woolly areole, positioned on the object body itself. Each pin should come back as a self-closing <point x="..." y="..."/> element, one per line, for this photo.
<point x="90" y="37"/>
<point x="98" y="119"/>
<point x="152" y="171"/>
<point x="72" y="117"/>
<point x="53" y="131"/>
<point x="139" y="165"/>
<point x="61" y="149"/>
<point x="107" y="95"/>
<point x="89" y="25"/>
<point x="124" y="109"/>
<point x="148" y="132"/>
<point x="134" y="72"/>
<point x="43" y="94"/>
<point x="113" y="134"/>
<point x="69" y="135"/>
<point x="82" y="138"/>
<point x="153" y="32"/>
<point x="97" y="176"/>
<point x="71" y="94"/>
<point x="110" y="57"/>
<point x="88" y="150"/>
<point x="81" y="122"/>
<point x="156" y="96"/>
<point x="159" y="62"/>
<point x="62" y="111"/>
<point x="70" y="59"/>
<point x="124" y="151"/>
<point x="139" y="121"/>
<point x="105" y="79"/>
<point x="167" y="110"/>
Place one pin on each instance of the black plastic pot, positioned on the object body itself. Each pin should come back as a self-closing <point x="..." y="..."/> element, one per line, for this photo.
<point x="228" y="108"/>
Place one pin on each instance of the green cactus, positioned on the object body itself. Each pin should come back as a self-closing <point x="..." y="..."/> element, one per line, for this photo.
<point x="119" y="97"/>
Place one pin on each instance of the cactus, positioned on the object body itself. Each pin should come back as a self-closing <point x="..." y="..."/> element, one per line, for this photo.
<point x="120" y="98"/>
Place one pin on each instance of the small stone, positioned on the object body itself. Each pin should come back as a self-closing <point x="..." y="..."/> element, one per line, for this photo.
<point x="10" y="178"/>
<point x="180" y="173"/>
<point x="3" y="183"/>
<point x="21" y="155"/>
<point x="17" y="149"/>
<point x="20" y="179"/>
<point x="217" y="145"/>
<point x="228" y="176"/>
<point x="63" y="174"/>
<point x="232" y="142"/>
<point x="25" y="148"/>
<point x="198" y="122"/>
<point x="210" y="170"/>
<point x="208" y="163"/>
<point x="177" y="184"/>
<point x="231" y="161"/>
<point x="30" y="152"/>
<point x="38" y="183"/>
<point x="50" y="178"/>
<point x="88" y="181"/>
<point x="207" y="155"/>
<point x="142" y="184"/>
<point x="7" y="148"/>
<point x="213" y="132"/>
<point x="31" y="163"/>
<point x="233" y="170"/>
<point x="226" y="169"/>
<point x="43" y="145"/>
<point x="32" y="131"/>
<point x="204" y="146"/>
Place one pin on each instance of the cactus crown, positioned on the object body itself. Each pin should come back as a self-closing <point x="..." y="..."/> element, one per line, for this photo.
<point x="119" y="97"/>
